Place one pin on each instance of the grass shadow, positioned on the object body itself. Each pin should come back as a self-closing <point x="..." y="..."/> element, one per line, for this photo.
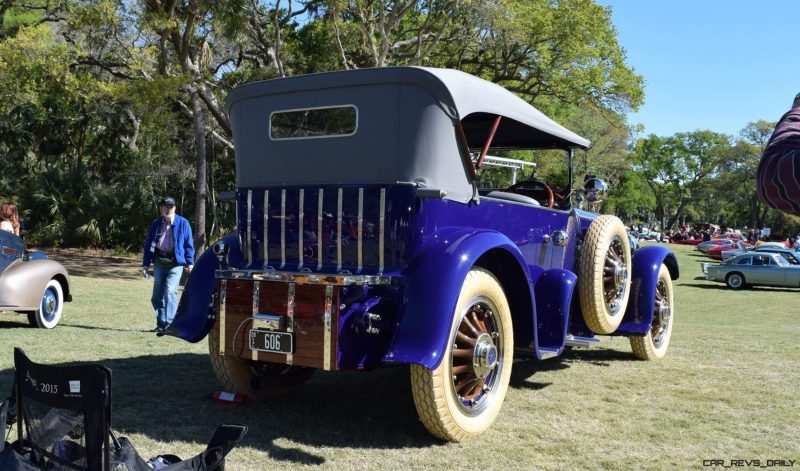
<point x="599" y="356"/>
<point x="94" y="327"/>
<point x="524" y="369"/>
<point x="21" y="324"/>
<point x="527" y="367"/>
<point x="722" y="286"/>
<point x="166" y="398"/>
<point x="118" y="268"/>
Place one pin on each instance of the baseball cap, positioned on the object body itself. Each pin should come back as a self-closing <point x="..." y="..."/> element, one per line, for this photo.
<point x="167" y="201"/>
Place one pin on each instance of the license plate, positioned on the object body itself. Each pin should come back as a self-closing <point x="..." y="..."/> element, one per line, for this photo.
<point x="273" y="342"/>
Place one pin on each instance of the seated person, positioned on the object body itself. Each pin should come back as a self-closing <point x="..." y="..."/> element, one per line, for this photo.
<point x="9" y="218"/>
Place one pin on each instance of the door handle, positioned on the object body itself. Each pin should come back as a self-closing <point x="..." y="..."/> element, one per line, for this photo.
<point x="558" y="238"/>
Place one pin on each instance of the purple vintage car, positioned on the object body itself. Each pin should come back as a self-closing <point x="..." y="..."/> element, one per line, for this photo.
<point x="363" y="240"/>
<point x="31" y="283"/>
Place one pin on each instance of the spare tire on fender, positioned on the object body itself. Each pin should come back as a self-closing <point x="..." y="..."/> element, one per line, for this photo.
<point x="604" y="281"/>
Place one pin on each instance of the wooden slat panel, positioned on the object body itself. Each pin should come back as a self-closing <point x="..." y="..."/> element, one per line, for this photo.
<point x="309" y="327"/>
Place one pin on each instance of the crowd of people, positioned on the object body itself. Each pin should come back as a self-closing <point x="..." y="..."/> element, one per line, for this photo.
<point x="706" y="232"/>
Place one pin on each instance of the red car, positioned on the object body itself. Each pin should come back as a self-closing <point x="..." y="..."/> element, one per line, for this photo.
<point x="716" y="252"/>
<point x="688" y="241"/>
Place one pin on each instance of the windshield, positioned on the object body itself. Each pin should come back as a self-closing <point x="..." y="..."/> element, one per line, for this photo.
<point x="790" y="258"/>
<point x="780" y="261"/>
<point x="516" y="172"/>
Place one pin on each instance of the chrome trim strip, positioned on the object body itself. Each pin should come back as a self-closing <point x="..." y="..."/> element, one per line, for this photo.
<point x="307" y="278"/>
<point x="326" y="355"/>
<point x="238" y="229"/>
<point x="381" y="228"/>
<point x="283" y="228"/>
<point x="256" y="293"/>
<point x="290" y="317"/>
<point x="223" y="288"/>
<point x="265" y="243"/>
<point x="300" y="230"/>
<point x="319" y="230"/>
<point x="360" y="229"/>
<point x="249" y="243"/>
<point x="339" y="231"/>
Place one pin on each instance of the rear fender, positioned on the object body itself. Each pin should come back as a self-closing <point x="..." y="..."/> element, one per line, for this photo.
<point x="22" y="283"/>
<point x="646" y="264"/>
<point x="195" y="315"/>
<point x="433" y="283"/>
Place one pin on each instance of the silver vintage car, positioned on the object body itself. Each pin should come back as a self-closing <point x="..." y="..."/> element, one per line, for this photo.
<point x="754" y="268"/>
<point x="31" y="283"/>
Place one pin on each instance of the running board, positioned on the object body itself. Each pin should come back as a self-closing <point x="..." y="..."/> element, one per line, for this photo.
<point x="583" y="342"/>
<point x="545" y="353"/>
<point x="542" y="354"/>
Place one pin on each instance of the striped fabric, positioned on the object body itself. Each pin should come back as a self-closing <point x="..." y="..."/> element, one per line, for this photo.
<point x="778" y="174"/>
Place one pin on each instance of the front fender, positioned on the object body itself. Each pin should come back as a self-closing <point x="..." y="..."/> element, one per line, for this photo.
<point x="22" y="284"/>
<point x="194" y="317"/>
<point x="646" y="264"/>
<point x="433" y="283"/>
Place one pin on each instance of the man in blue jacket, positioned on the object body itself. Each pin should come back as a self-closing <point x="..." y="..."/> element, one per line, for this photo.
<point x="169" y="247"/>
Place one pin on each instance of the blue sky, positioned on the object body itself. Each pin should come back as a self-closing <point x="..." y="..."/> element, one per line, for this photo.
<point x="710" y="64"/>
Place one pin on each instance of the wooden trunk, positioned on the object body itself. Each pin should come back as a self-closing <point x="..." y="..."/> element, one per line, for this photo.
<point x="239" y="301"/>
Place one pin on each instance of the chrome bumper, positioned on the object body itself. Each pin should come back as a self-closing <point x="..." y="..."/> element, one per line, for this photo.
<point x="308" y="277"/>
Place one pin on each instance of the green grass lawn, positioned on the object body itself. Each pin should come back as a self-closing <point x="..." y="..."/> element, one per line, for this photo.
<point x="729" y="388"/>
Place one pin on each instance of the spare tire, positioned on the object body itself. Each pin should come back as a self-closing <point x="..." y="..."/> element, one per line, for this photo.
<point x="604" y="281"/>
<point x="256" y="380"/>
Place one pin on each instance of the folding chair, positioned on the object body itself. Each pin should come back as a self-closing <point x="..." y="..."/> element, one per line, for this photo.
<point x="64" y="423"/>
<point x="63" y="413"/>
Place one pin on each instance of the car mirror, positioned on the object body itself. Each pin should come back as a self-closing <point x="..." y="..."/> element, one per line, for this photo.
<point x="594" y="189"/>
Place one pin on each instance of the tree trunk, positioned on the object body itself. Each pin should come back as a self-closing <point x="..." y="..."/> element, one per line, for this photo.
<point x="200" y="171"/>
<point x="675" y="217"/>
<point x="754" y="210"/>
<point x="212" y="192"/>
<point x="5" y="5"/>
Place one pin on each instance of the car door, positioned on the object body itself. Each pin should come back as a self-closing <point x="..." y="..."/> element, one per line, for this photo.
<point x="774" y="274"/>
<point x="777" y="272"/>
<point x="758" y="272"/>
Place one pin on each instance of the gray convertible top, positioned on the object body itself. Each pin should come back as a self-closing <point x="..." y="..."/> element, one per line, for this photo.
<point x="405" y="128"/>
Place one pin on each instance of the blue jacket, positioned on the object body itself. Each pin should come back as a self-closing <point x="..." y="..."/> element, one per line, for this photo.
<point x="184" y="246"/>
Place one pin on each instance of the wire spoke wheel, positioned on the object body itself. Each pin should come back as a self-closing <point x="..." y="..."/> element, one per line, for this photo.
<point x="615" y="276"/>
<point x="604" y="274"/>
<point x="475" y="356"/>
<point x="462" y="396"/>
<point x="662" y="314"/>
<point x="654" y="344"/>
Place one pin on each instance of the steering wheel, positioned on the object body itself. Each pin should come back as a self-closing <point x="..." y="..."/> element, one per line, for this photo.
<point x="534" y="189"/>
